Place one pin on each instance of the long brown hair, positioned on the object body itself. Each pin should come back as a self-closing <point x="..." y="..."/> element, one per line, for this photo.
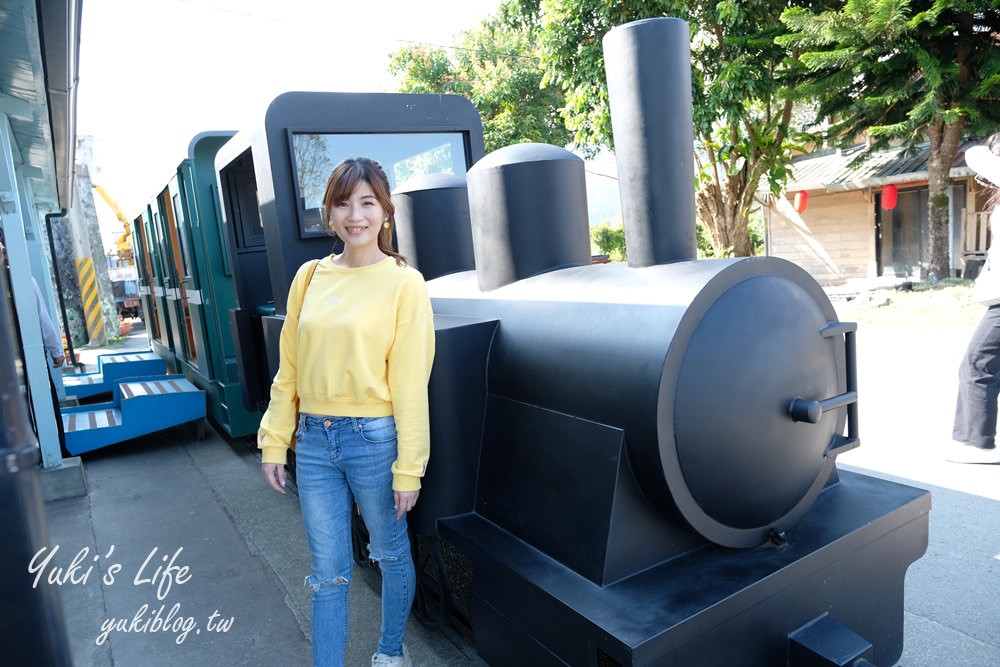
<point x="342" y="182"/>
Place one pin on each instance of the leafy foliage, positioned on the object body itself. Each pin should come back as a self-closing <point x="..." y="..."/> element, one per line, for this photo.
<point x="609" y="240"/>
<point x="497" y="68"/>
<point x="312" y="166"/>
<point x="741" y="121"/>
<point x="902" y="71"/>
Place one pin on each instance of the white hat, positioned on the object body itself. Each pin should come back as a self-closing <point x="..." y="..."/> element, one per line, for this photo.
<point x="985" y="163"/>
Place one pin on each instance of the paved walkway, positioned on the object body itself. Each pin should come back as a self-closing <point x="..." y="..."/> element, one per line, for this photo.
<point x="186" y="531"/>
<point x="175" y="501"/>
<point x="907" y="384"/>
<point x="172" y="502"/>
<point x="137" y="339"/>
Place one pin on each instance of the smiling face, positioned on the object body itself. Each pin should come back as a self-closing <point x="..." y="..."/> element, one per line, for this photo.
<point x="358" y="219"/>
<point x="358" y="208"/>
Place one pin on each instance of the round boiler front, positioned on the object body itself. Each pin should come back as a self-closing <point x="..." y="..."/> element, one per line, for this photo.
<point x="736" y="463"/>
<point x="696" y="362"/>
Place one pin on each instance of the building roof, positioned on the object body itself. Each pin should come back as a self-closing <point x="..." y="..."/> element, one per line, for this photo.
<point x="39" y="54"/>
<point x="832" y="170"/>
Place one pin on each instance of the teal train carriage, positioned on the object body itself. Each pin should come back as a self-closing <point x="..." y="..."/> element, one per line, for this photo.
<point x="186" y="282"/>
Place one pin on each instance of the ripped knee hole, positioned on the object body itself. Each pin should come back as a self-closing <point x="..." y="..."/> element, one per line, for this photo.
<point x="316" y="584"/>
<point x="378" y="556"/>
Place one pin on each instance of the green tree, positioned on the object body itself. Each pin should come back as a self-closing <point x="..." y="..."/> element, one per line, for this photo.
<point x="609" y="240"/>
<point x="903" y="71"/>
<point x="497" y="68"/>
<point x="741" y="122"/>
<point x="427" y="70"/>
<point x="312" y="167"/>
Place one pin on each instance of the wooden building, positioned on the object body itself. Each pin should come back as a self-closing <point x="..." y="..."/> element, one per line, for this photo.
<point x="844" y="222"/>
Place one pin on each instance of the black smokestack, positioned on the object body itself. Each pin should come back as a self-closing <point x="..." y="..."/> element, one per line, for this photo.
<point x="648" y="66"/>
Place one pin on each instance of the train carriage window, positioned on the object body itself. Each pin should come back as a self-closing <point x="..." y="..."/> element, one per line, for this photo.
<point x="185" y="243"/>
<point x="402" y="155"/>
<point x="242" y="205"/>
<point x="213" y="197"/>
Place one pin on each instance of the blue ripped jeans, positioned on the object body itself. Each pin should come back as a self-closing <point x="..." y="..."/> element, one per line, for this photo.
<point x="340" y="460"/>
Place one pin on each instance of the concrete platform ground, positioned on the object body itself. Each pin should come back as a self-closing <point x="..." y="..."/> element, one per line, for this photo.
<point x="908" y="379"/>
<point x="204" y="501"/>
<point x="172" y="501"/>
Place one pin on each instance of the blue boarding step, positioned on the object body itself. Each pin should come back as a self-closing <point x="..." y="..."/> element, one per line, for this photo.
<point x="140" y="406"/>
<point x="112" y="368"/>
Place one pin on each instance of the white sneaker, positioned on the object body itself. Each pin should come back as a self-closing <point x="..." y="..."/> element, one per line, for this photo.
<point x="959" y="453"/>
<point x="383" y="660"/>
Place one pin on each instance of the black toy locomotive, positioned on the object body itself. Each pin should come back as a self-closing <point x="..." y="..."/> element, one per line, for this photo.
<point x="638" y="461"/>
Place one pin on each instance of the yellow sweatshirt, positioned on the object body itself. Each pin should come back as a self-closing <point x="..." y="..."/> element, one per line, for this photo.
<point x="361" y="346"/>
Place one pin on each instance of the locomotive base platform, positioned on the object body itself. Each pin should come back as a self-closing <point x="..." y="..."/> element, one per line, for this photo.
<point x="847" y="557"/>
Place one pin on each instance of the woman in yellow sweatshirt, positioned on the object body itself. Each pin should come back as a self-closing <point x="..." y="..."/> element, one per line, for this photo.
<point x="356" y="351"/>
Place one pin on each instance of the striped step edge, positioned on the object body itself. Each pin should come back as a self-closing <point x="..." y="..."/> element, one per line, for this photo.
<point x="156" y="387"/>
<point x="125" y="358"/>
<point x="85" y="421"/>
<point x="82" y="380"/>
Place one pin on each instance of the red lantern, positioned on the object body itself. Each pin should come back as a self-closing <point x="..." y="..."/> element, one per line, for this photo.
<point x="801" y="201"/>
<point x="890" y="194"/>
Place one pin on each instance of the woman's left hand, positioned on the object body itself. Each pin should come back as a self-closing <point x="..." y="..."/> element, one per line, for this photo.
<point x="404" y="501"/>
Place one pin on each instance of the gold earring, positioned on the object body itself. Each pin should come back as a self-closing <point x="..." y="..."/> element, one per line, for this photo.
<point x="386" y="223"/>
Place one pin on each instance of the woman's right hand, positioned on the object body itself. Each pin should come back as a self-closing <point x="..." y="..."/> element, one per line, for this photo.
<point x="274" y="473"/>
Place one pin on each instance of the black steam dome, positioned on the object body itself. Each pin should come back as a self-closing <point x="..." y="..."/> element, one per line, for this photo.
<point x="432" y="224"/>
<point x="528" y="204"/>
